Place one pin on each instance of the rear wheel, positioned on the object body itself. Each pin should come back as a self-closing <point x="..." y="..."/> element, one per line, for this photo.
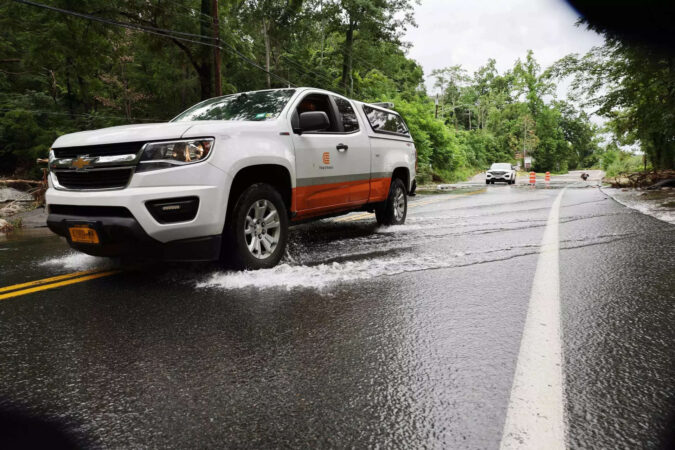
<point x="394" y="210"/>
<point x="257" y="231"/>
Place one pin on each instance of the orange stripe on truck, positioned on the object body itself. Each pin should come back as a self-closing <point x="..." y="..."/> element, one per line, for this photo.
<point x="308" y="201"/>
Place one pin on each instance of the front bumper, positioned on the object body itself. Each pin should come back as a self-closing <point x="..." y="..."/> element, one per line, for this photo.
<point x="137" y="231"/>
<point x="204" y="181"/>
<point x="123" y="236"/>
<point x="491" y="177"/>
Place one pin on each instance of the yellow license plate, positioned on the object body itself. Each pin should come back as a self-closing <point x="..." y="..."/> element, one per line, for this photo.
<point x="84" y="235"/>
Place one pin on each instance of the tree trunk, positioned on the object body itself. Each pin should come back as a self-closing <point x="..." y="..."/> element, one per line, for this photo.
<point x="267" y="52"/>
<point x="205" y="82"/>
<point x="217" y="84"/>
<point x="347" y="58"/>
<point x="323" y="34"/>
<point x="183" y="90"/>
<point x="454" y="113"/>
<point x="206" y="67"/>
<point x="69" y="94"/>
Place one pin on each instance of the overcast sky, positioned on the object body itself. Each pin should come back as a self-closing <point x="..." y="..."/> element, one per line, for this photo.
<point x="468" y="32"/>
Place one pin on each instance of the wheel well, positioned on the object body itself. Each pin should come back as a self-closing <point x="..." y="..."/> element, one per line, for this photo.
<point x="404" y="175"/>
<point x="275" y="175"/>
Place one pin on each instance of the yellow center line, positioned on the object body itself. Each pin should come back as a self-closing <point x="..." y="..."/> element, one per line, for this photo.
<point x="44" y="287"/>
<point x="48" y="280"/>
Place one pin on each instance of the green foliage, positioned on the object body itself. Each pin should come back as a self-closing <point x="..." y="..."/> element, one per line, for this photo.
<point x="632" y="85"/>
<point x="624" y="162"/>
<point x="60" y="74"/>
<point x="499" y="116"/>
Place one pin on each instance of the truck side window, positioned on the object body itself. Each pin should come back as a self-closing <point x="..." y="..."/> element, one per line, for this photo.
<point x="316" y="102"/>
<point x="385" y="122"/>
<point x="347" y="115"/>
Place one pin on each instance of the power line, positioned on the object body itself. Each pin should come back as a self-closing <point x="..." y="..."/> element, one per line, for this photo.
<point x="303" y="68"/>
<point x="160" y="32"/>
<point x="206" y="17"/>
<point x="220" y="42"/>
<point x="309" y="71"/>
<point x="295" y="62"/>
<point x="89" y="115"/>
<point x="128" y="25"/>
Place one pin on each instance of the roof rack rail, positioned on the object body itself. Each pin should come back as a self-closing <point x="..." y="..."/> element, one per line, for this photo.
<point x="388" y="105"/>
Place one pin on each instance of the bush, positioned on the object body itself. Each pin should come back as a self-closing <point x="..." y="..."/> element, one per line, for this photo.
<point x="624" y="163"/>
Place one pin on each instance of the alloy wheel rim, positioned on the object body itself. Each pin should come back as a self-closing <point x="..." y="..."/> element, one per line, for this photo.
<point x="399" y="203"/>
<point x="262" y="229"/>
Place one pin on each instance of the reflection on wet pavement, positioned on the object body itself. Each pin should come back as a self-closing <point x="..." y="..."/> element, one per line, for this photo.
<point x="365" y="336"/>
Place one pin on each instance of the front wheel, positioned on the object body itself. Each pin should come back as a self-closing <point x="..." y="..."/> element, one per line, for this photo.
<point x="394" y="210"/>
<point x="257" y="231"/>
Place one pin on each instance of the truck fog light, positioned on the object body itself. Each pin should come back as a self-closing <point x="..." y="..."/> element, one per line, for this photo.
<point x="171" y="210"/>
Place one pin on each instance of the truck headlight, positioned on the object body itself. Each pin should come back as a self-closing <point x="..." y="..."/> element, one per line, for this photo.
<point x="161" y="155"/>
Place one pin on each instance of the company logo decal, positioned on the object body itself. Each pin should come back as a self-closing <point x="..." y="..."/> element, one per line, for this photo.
<point x="326" y="157"/>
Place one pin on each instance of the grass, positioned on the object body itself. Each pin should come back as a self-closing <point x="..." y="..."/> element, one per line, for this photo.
<point x="16" y="223"/>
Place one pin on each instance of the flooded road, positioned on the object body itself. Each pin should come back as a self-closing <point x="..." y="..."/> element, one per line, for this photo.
<point x="395" y="337"/>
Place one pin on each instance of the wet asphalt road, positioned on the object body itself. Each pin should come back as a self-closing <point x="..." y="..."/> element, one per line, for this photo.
<point x="402" y="337"/>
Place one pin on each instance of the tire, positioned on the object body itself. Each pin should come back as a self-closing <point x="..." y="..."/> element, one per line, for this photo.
<point x="487" y="181"/>
<point x="250" y="240"/>
<point x="394" y="209"/>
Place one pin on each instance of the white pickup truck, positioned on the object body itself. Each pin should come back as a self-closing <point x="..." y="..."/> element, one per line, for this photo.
<point x="226" y="178"/>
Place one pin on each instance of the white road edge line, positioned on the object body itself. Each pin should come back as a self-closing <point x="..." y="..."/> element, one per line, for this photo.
<point x="536" y="413"/>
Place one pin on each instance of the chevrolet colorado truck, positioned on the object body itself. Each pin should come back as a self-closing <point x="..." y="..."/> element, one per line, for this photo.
<point x="226" y="178"/>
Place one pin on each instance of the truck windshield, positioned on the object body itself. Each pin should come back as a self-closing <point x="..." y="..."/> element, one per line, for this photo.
<point x="500" y="166"/>
<point x="258" y="105"/>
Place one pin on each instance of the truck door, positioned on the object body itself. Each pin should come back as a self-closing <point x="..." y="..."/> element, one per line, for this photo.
<point x="355" y="151"/>
<point x="324" y="173"/>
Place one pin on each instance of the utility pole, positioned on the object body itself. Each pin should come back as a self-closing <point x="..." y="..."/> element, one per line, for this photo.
<point x="436" y="114"/>
<point x="216" y="50"/>
<point x="524" y="140"/>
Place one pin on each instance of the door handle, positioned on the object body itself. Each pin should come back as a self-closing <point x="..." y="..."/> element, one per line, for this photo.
<point x="342" y="147"/>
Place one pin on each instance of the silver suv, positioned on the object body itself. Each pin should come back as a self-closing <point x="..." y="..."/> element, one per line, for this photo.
<point x="500" y="172"/>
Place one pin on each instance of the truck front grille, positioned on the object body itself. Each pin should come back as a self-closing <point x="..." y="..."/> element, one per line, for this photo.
<point x="124" y="148"/>
<point x="94" y="179"/>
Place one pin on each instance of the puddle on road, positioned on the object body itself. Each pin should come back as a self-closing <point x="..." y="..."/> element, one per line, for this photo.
<point x="323" y="275"/>
<point x="324" y="254"/>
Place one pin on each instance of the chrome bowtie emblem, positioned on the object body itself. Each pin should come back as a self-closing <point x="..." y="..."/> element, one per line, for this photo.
<point x="81" y="162"/>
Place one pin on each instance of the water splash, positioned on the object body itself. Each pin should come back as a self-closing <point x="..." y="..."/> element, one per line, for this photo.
<point x="321" y="276"/>
<point x="78" y="261"/>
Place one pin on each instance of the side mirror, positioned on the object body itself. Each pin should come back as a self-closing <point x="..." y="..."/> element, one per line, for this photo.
<point x="312" y="121"/>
